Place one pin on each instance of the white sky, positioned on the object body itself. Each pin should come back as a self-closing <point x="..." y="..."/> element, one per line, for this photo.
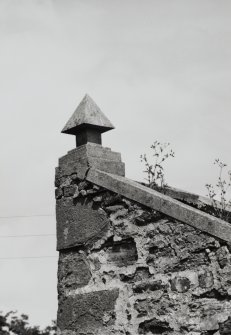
<point x="159" y="69"/>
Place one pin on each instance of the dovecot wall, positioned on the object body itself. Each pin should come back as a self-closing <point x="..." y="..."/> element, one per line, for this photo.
<point x="132" y="260"/>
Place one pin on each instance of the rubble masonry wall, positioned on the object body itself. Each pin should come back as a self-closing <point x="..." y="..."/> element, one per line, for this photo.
<point x="127" y="269"/>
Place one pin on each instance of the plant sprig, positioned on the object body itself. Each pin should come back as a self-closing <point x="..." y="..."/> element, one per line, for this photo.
<point x="155" y="171"/>
<point x="218" y="193"/>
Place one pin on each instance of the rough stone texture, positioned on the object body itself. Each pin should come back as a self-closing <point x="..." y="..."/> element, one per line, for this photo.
<point x="74" y="270"/>
<point x="147" y="273"/>
<point x="78" y="222"/>
<point x="195" y="200"/>
<point x="88" y="313"/>
<point x="161" y="203"/>
<point x="87" y="113"/>
<point x="122" y="252"/>
<point x="134" y="261"/>
<point x="79" y="160"/>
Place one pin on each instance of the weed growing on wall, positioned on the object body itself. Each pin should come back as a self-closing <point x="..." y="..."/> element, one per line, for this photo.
<point x="155" y="170"/>
<point x="218" y="193"/>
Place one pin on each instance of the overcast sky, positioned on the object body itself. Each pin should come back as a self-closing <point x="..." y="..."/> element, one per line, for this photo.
<point x="159" y="69"/>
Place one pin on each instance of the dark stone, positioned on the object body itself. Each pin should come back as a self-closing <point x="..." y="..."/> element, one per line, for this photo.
<point x="148" y="286"/>
<point x="57" y="176"/>
<point x="74" y="177"/>
<point x="163" y="260"/>
<point x="192" y="261"/>
<point x="154" y="326"/>
<point x="78" y="222"/>
<point x="84" y="313"/>
<point x="206" y="279"/>
<point x="180" y="284"/>
<point x="88" y="135"/>
<point x="111" y="199"/>
<point x="141" y="306"/>
<point x="73" y="271"/>
<point x="146" y="217"/>
<point x="216" y="294"/>
<point x="122" y="253"/>
<point x="225" y="327"/>
<point x="159" y="244"/>
<point x="58" y="193"/>
<point x="83" y="193"/>
<point x="69" y="191"/>
<point x="140" y="274"/>
<point x="83" y="185"/>
<point x="191" y="241"/>
<point x="155" y="304"/>
<point x="223" y="256"/>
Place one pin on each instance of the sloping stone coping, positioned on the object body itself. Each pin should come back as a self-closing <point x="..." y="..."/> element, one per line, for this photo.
<point x="191" y="198"/>
<point x="162" y="203"/>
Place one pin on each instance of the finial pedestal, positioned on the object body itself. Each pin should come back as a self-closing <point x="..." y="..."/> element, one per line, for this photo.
<point x="88" y="135"/>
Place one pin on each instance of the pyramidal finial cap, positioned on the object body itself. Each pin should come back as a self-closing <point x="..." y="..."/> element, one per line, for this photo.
<point x="87" y="115"/>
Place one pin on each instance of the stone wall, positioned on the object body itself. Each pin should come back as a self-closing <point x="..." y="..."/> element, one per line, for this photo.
<point x="125" y="268"/>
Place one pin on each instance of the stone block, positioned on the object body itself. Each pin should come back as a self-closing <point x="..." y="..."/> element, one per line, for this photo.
<point x="58" y="193"/>
<point x="122" y="253"/>
<point x="151" y="285"/>
<point x="57" y="177"/>
<point x="141" y="273"/>
<point x="69" y="191"/>
<point x="180" y="284"/>
<point x="117" y="168"/>
<point x="154" y="326"/>
<point x="74" y="271"/>
<point x="78" y="161"/>
<point x="70" y="165"/>
<point x="86" y="313"/>
<point x="146" y="305"/>
<point x="225" y="327"/>
<point x="223" y="256"/>
<point x="162" y="203"/>
<point x="206" y="279"/>
<point x="78" y="222"/>
<point x="95" y="150"/>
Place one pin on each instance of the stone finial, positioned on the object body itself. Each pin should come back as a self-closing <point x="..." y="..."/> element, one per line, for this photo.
<point x="87" y="123"/>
